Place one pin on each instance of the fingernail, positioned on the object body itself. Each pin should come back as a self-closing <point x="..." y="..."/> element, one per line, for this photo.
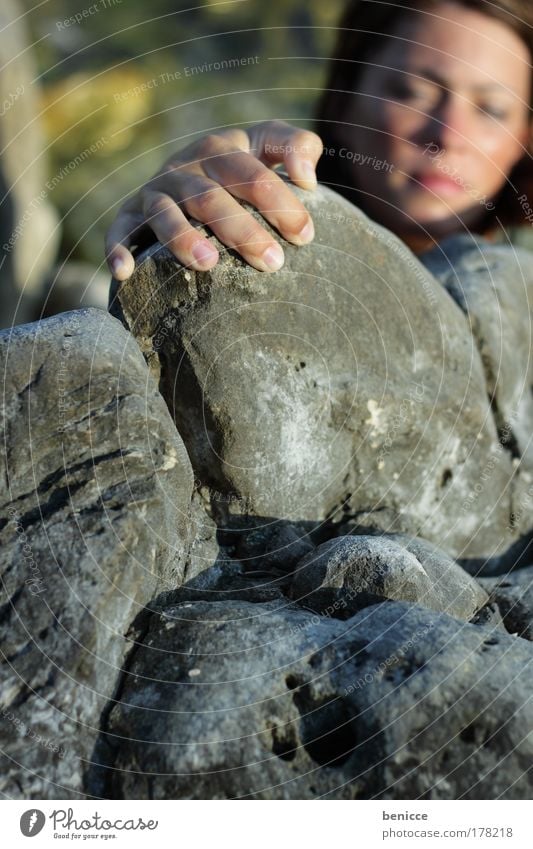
<point x="308" y="171"/>
<point x="204" y="252"/>
<point x="117" y="265"/>
<point x="273" y="257"/>
<point x="307" y="232"/>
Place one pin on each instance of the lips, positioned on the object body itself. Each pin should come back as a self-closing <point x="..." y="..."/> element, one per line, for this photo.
<point x="438" y="183"/>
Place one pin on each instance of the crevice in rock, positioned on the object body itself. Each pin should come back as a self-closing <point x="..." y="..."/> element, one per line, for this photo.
<point x="327" y="727"/>
<point x="98" y="777"/>
<point x="114" y="403"/>
<point x="517" y="555"/>
<point x="53" y="478"/>
<point x="33" y="382"/>
<point x="284" y="742"/>
<point x="28" y="692"/>
<point x="200" y="447"/>
<point x="476" y="735"/>
<point x="506" y="437"/>
<point x="6" y="608"/>
<point x="59" y="499"/>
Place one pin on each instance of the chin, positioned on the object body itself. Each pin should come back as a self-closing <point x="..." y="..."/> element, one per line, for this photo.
<point x="439" y="218"/>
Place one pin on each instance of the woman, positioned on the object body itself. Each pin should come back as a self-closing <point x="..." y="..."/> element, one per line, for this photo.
<point x="424" y="123"/>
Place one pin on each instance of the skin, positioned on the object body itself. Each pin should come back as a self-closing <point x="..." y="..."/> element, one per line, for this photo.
<point x="451" y="98"/>
<point x="448" y="97"/>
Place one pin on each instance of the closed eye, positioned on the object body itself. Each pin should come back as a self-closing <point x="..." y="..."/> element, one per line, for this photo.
<point x="492" y="112"/>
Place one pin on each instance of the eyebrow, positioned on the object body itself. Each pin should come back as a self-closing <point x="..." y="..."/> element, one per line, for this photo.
<point x="429" y="74"/>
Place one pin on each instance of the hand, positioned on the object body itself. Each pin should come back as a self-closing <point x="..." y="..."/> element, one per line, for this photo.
<point x="204" y="180"/>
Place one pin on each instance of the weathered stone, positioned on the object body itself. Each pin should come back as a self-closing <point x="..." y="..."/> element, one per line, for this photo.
<point x="348" y="573"/>
<point x="241" y="700"/>
<point x="513" y="593"/>
<point x="493" y="285"/>
<point x="95" y="520"/>
<point x="346" y="386"/>
<point x="489" y="616"/>
<point x="205" y="549"/>
<point x="275" y="545"/>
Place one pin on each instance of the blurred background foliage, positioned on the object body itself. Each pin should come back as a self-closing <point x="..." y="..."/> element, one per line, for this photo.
<point x="87" y="71"/>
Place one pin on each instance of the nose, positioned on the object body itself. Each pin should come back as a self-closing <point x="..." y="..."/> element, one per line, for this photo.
<point x="449" y="122"/>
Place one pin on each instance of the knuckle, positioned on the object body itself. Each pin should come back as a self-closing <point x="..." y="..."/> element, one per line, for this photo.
<point x="155" y="206"/>
<point x="207" y="203"/>
<point x="180" y="243"/>
<point x="170" y="167"/>
<point x="297" y="221"/>
<point x="252" y="236"/>
<point x="262" y="183"/>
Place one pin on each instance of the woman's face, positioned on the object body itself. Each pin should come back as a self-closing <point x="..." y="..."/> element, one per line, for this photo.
<point x="444" y="107"/>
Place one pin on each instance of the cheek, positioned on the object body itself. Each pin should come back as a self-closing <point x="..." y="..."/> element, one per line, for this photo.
<point x="500" y="151"/>
<point x="400" y="121"/>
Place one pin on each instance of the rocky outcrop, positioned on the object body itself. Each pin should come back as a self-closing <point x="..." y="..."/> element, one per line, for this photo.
<point x="347" y="387"/>
<point x="493" y="285"/>
<point x="232" y="699"/>
<point x="95" y="521"/>
<point x="268" y="601"/>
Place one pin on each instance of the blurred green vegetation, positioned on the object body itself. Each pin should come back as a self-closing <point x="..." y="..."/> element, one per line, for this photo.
<point x="106" y="135"/>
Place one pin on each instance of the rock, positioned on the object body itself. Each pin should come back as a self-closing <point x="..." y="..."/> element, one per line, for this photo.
<point x="275" y="546"/>
<point x="489" y="615"/>
<point x="95" y="500"/>
<point x="493" y="285"/>
<point x="261" y="701"/>
<point x="345" y="387"/>
<point x="513" y="594"/>
<point x="205" y="550"/>
<point x="453" y="705"/>
<point x="349" y="573"/>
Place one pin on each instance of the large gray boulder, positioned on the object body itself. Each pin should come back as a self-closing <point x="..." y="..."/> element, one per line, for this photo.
<point x="347" y="387"/>
<point x="95" y="503"/>
<point x="235" y="699"/>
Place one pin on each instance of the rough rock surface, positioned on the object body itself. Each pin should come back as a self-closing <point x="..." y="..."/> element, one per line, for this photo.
<point x="347" y="386"/>
<point x="349" y="573"/>
<point x="232" y="699"/>
<point x="493" y="285"/>
<point x="275" y="624"/>
<point x="95" y="501"/>
<point x="513" y="593"/>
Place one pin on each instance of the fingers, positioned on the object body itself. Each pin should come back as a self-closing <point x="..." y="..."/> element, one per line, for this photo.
<point x="211" y="204"/>
<point x="275" y="142"/>
<point x="172" y="229"/>
<point x="248" y="179"/>
<point x="204" y="183"/>
<point x="119" y="238"/>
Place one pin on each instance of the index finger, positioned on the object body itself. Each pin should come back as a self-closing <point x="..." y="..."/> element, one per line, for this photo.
<point x="275" y="142"/>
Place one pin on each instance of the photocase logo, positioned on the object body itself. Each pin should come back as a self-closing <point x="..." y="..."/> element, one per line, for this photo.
<point x="32" y="822"/>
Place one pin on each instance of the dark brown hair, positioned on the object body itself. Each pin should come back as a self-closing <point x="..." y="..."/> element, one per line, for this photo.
<point x="361" y="32"/>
